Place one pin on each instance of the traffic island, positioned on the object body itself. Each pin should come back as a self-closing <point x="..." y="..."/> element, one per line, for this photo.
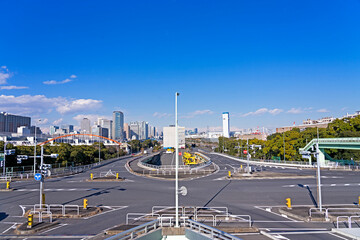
<point x="313" y="214"/>
<point x="37" y="227"/>
<point x="70" y="213"/>
<point x="105" y="179"/>
<point x="265" y="175"/>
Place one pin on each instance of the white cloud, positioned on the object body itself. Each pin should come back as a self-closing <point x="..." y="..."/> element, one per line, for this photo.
<point x="161" y="115"/>
<point x="12" y="87"/>
<point x="39" y="104"/>
<point x="79" y="105"/>
<point x="53" y="82"/>
<point x="58" y="121"/>
<point x="198" y="113"/>
<point x="262" y="111"/>
<point x="295" y="111"/>
<point x="4" y="74"/>
<point x="73" y="76"/>
<point x="323" y="110"/>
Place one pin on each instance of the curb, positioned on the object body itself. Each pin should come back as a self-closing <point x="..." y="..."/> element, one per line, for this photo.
<point x="32" y="231"/>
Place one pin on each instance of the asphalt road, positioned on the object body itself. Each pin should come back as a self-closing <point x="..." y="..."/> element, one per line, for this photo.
<point x="138" y="194"/>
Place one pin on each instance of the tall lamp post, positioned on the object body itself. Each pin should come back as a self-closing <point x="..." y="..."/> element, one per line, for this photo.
<point x="176" y="164"/>
<point x="35" y="147"/>
<point x="284" y="142"/>
<point x="318" y="171"/>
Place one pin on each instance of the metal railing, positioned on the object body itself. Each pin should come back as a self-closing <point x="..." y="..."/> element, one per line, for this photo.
<point x="328" y="211"/>
<point x="62" y="207"/>
<point x="146" y="228"/>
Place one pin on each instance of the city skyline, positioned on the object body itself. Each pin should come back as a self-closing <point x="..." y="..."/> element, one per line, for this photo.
<point x="212" y="57"/>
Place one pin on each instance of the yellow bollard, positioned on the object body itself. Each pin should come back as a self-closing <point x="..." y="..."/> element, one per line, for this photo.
<point x="7" y="185"/>
<point x="229" y="173"/>
<point x="85" y="203"/>
<point x="117" y="176"/>
<point x="43" y="198"/>
<point x="288" y="202"/>
<point x="241" y="166"/>
<point x="91" y="176"/>
<point x="359" y="201"/>
<point x="30" y="221"/>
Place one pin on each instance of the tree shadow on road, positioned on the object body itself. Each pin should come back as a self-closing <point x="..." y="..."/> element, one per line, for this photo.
<point x="227" y="184"/>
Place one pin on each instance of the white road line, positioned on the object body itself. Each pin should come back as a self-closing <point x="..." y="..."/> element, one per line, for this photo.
<point x="292" y="220"/>
<point x="332" y="185"/>
<point x="346" y="184"/>
<point x="12" y="227"/>
<point x="338" y="236"/>
<point x="106" y="212"/>
<point x="60" y="225"/>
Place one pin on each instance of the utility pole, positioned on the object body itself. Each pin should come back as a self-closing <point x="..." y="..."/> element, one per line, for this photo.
<point x="318" y="172"/>
<point x="42" y="177"/>
<point x="176" y="164"/>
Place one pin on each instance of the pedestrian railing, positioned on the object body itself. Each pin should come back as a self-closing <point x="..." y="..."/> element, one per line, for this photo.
<point x="192" y="225"/>
<point x="54" y="207"/>
<point x="326" y="212"/>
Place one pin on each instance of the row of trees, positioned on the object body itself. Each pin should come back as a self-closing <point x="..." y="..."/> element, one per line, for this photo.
<point x="295" y="139"/>
<point x="68" y="154"/>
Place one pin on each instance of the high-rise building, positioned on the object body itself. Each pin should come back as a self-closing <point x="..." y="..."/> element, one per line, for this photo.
<point x="134" y="130"/>
<point x="53" y="129"/>
<point x="67" y="128"/>
<point x="127" y="131"/>
<point x="105" y="123"/>
<point x="85" y="126"/>
<point x="118" y="125"/>
<point x="9" y="123"/>
<point x="226" y="124"/>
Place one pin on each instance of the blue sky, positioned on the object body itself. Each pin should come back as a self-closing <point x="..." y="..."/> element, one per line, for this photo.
<point x="268" y="63"/>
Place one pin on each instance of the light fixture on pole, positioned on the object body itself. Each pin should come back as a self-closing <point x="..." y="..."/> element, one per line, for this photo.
<point x="176" y="164"/>
<point x="318" y="171"/>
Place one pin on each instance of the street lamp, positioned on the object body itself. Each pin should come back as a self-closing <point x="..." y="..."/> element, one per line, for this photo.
<point x="176" y="164"/>
<point x="284" y="142"/>
<point x="318" y="171"/>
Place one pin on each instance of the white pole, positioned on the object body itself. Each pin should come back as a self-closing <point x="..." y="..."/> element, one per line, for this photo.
<point x="42" y="176"/>
<point x="35" y="151"/>
<point x="318" y="171"/>
<point x="4" y="165"/>
<point x="176" y="165"/>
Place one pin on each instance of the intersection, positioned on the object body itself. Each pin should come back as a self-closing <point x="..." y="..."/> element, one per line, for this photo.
<point x="138" y="194"/>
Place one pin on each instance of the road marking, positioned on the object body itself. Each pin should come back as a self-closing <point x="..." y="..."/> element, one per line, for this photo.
<point x="280" y="237"/>
<point x="60" y="225"/>
<point x="292" y="220"/>
<point x="57" y="189"/>
<point x="12" y="227"/>
<point x="338" y="236"/>
<point x="113" y="209"/>
<point x="325" y="185"/>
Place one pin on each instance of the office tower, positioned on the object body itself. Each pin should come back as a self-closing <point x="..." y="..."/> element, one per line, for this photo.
<point x="127" y="131"/>
<point x="85" y="126"/>
<point x="105" y="123"/>
<point x="67" y="128"/>
<point x="9" y="123"/>
<point x="134" y="130"/>
<point x="53" y="129"/>
<point x="118" y="125"/>
<point x="226" y="124"/>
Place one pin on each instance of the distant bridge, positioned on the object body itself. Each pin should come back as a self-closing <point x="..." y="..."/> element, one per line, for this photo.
<point x="330" y="143"/>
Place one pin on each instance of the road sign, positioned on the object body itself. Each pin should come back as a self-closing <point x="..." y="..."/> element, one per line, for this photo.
<point x="1" y="156"/>
<point x="37" y="177"/>
<point x="245" y="151"/>
<point x="25" y="157"/>
<point x="10" y="151"/>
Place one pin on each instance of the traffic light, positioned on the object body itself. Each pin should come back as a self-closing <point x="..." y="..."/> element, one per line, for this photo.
<point x="288" y="202"/>
<point x="85" y="203"/>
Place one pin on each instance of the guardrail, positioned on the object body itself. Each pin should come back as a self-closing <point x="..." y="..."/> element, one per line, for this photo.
<point x="62" y="207"/>
<point x="327" y="211"/>
<point x="145" y="228"/>
<point x="213" y="232"/>
<point x="63" y="170"/>
<point x="5" y="179"/>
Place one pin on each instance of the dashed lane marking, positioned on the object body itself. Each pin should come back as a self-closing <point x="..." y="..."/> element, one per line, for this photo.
<point x="326" y="185"/>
